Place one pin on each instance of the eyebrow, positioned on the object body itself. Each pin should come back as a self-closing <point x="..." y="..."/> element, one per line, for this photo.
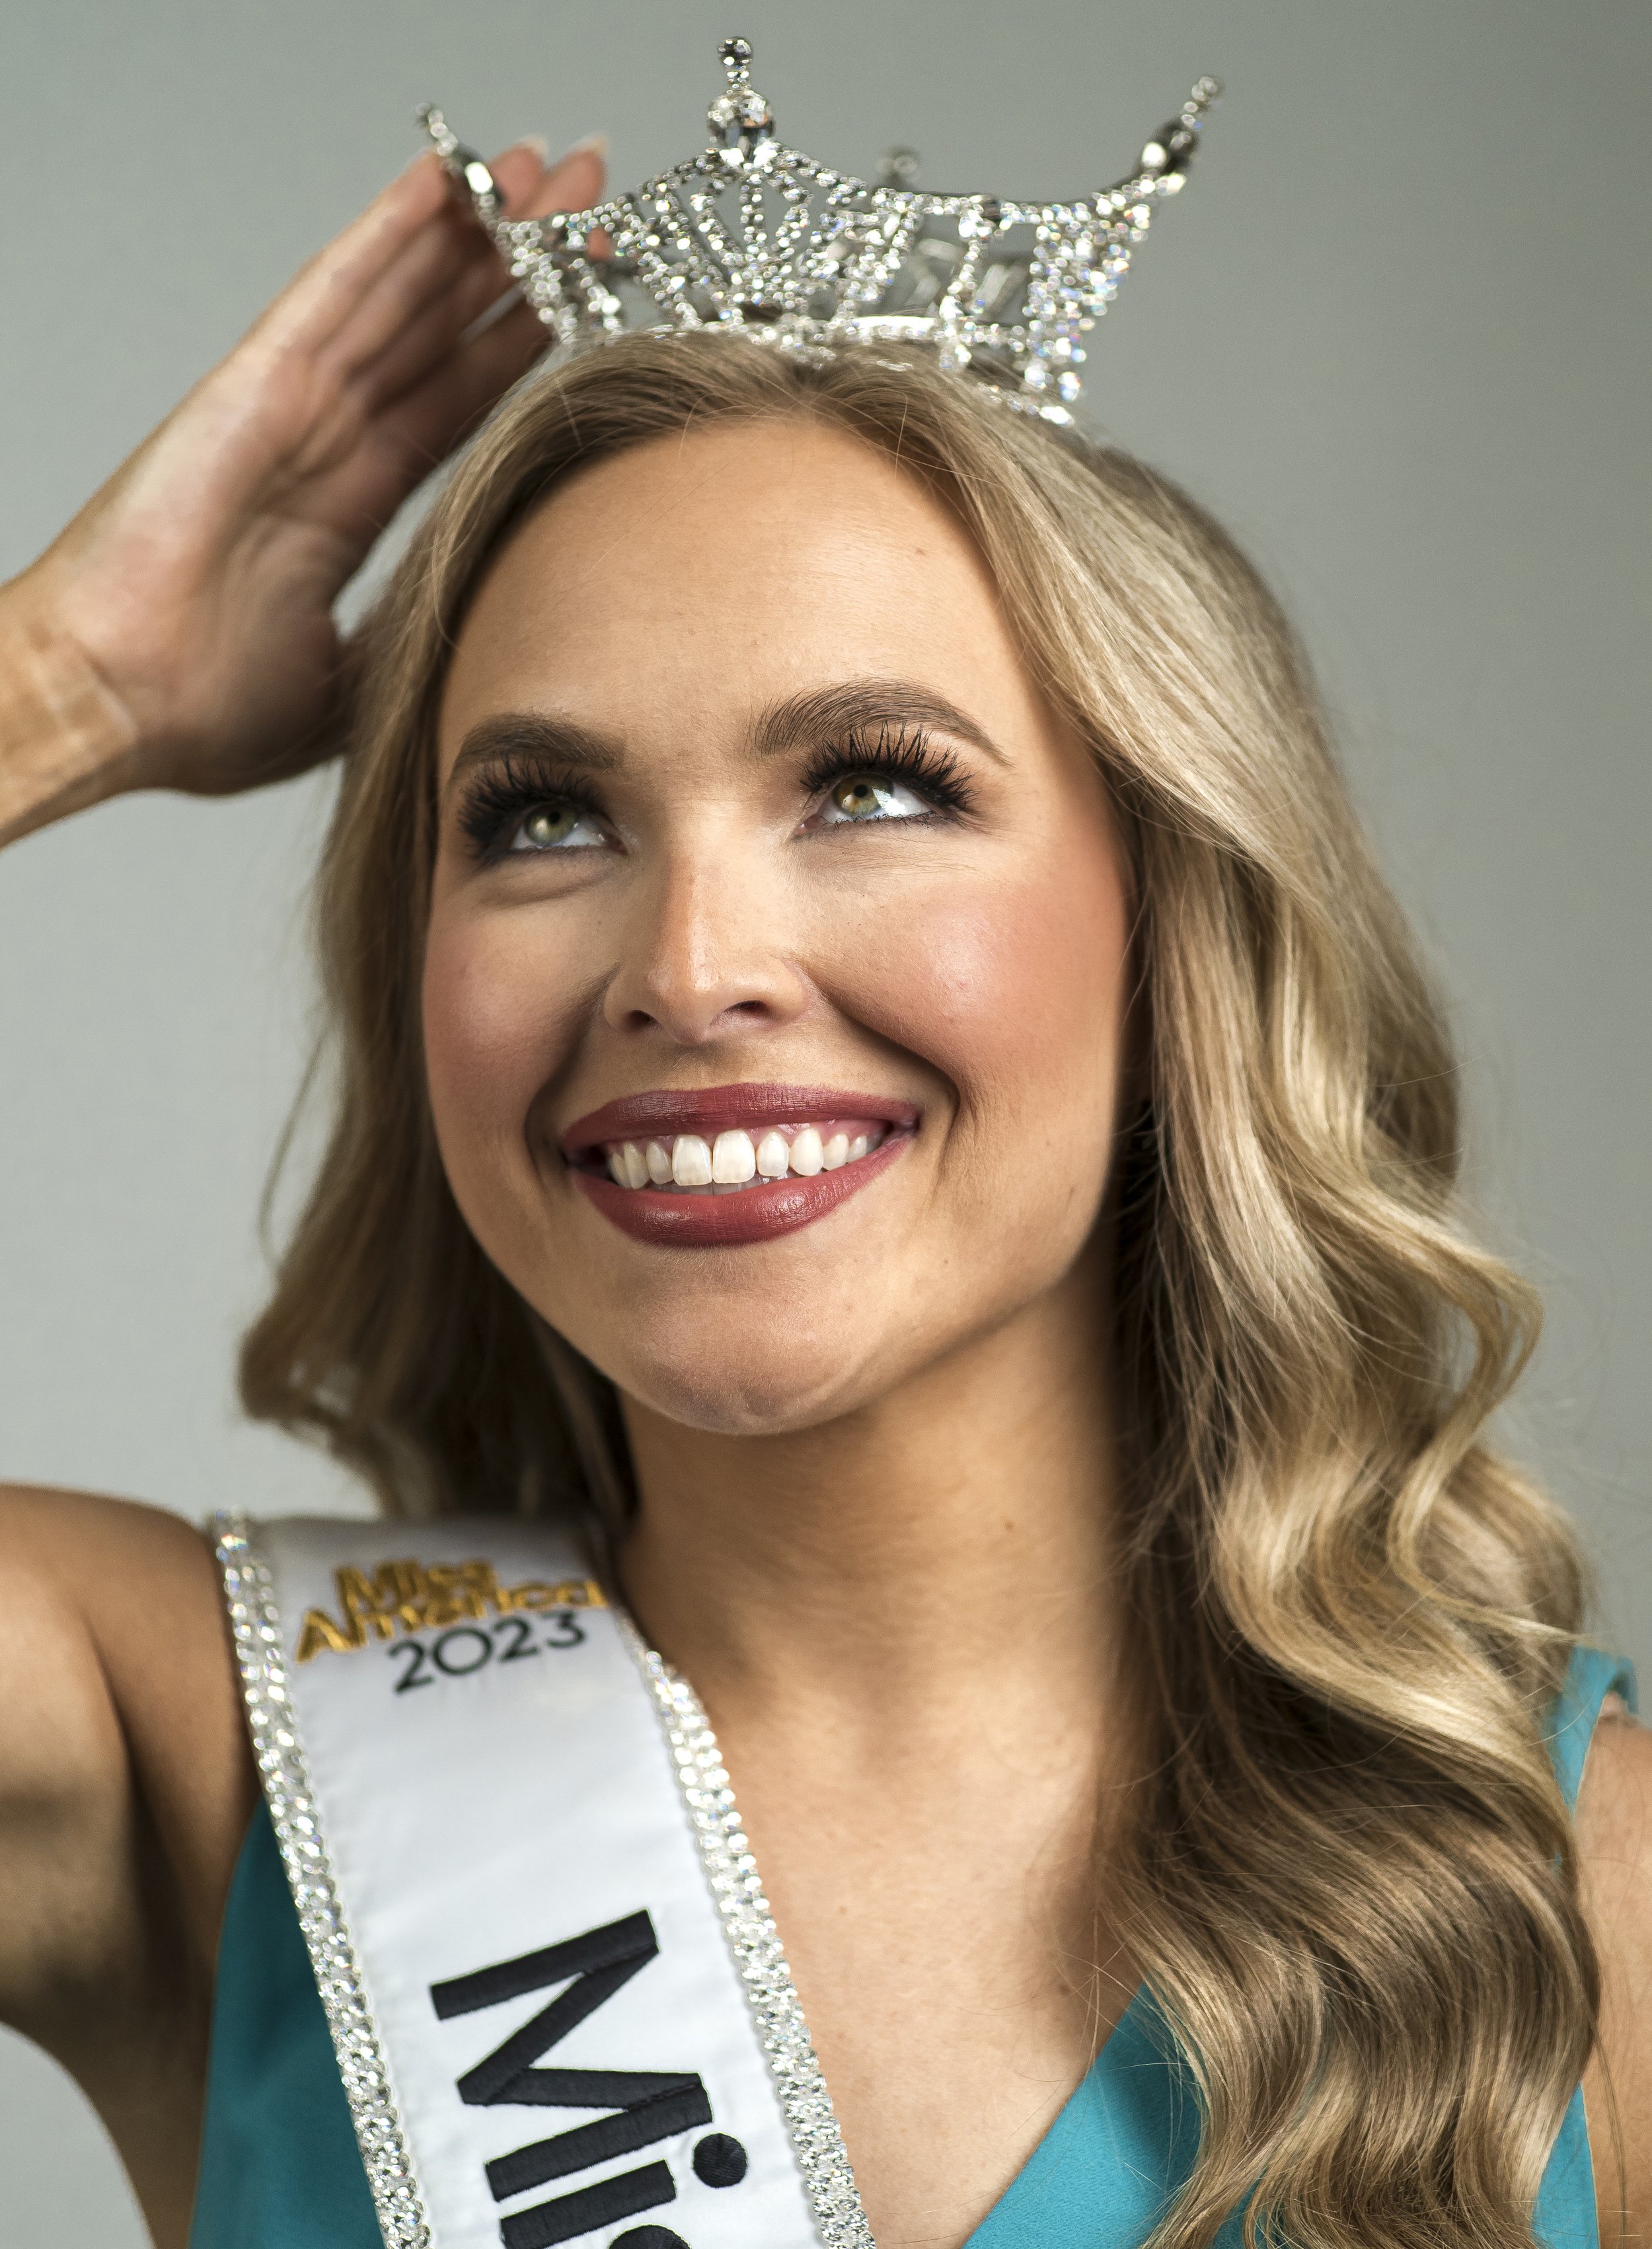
<point x="847" y="707"/>
<point x="527" y="734"/>
<point x="858" y="706"/>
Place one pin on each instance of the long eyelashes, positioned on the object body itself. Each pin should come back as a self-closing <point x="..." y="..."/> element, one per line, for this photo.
<point x="903" y="754"/>
<point x="503" y="795"/>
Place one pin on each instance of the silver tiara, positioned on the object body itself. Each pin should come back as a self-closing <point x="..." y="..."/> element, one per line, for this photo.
<point x="755" y="236"/>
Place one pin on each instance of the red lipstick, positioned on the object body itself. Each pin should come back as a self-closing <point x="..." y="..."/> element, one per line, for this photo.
<point x="809" y="1118"/>
<point x="725" y="1109"/>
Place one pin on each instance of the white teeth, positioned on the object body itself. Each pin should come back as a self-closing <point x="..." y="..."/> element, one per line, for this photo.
<point x="692" y="1161"/>
<point x="733" y="1161"/>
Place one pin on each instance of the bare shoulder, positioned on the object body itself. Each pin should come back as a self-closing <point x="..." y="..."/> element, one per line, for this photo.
<point x="105" y="1587"/>
<point x="1614" y="1852"/>
<point x="46" y="1532"/>
<point x="124" y="1780"/>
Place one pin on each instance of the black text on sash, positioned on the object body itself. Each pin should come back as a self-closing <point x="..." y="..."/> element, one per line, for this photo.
<point x="646" y="2105"/>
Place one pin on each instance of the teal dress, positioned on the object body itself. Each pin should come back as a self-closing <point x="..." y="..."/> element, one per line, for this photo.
<point x="280" y="2168"/>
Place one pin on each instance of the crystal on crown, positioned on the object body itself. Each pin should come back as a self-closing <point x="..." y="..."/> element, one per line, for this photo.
<point x="755" y="236"/>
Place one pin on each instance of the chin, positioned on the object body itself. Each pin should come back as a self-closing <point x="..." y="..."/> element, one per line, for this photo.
<point x="735" y="1386"/>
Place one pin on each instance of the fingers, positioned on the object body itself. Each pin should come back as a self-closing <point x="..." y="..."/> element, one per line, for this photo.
<point x="574" y="183"/>
<point x="422" y="277"/>
<point x="437" y="264"/>
<point x="532" y="184"/>
<point x="411" y="239"/>
<point x="401" y="351"/>
<point x="320" y="298"/>
<point x="518" y="173"/>
<point x="424" y="306"/>
<point x="447" y="248"/>
<point x="431" y="334"/>
<point x="433" y="417"/>
<point x="400" y="445"/>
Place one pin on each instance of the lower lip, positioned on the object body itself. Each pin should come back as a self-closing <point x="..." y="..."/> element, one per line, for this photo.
<point x="687" y="1221"/>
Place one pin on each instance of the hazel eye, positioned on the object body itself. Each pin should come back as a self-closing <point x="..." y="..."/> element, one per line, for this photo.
<point x="557" y="827"/>
<point x="866" y="796"/>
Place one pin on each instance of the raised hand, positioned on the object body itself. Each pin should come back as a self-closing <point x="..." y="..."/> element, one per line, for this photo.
<point x="189" y="604"/>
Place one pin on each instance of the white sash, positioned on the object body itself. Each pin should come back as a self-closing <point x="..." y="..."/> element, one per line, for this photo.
<point x="556" y="2018"/>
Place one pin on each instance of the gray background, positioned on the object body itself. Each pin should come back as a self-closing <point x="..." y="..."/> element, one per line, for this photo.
<point x="1395" y="333"/>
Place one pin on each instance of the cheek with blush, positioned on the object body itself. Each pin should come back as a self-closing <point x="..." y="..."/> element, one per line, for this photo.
<point x="1012" y="991"/>
<point x="496" y="1027"/>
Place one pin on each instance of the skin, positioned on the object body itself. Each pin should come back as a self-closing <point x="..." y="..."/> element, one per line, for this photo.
<point x="974" y="966"/>
<point x="874" y="1528"/>
<point x="1614" y="1852"/>
<point x="179" y="633"/>
<point x="939" y="1337"/>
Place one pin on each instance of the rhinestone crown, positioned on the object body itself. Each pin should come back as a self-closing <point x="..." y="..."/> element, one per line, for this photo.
<point x="756" y="236"/>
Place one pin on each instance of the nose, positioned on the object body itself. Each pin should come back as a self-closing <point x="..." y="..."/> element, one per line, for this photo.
<point x="703" y="961"/>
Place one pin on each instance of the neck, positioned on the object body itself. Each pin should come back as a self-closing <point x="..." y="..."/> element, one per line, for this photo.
<point x="944" y="1553"/>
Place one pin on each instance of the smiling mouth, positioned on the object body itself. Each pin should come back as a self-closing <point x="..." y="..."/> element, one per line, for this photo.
<point x="736" y="1161"/>
<point x="731" y="1164"/>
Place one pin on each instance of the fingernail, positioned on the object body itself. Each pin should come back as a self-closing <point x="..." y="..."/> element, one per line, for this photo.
<point x="593" y="144"/>
<point x="537" y="142"/>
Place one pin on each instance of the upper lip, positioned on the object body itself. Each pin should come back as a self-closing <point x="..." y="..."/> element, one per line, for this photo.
<point x="661" y="1115"/>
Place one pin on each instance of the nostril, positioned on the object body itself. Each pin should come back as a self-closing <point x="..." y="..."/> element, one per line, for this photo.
<point x="700" y="1003"/>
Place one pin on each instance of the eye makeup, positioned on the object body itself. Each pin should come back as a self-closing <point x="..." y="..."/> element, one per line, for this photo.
<point x="505" y="794"/>
<point x="903" y="755"/>
<point x="502" y="794"/>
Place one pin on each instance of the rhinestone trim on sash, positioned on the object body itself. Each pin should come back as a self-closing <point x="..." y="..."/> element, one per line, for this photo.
<point x="255" y="1621"/>
<point x="737" y="1891"/>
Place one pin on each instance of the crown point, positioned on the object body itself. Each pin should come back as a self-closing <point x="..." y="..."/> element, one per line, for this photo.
<point x="742" y="123"/>
<point x="441" y="137"/>
<point x="848" y="260"/>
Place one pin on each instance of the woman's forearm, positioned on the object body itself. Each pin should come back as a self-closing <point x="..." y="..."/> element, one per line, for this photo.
<point x="66" y="741"/>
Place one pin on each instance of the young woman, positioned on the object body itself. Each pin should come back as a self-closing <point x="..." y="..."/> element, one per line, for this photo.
<point x="875" y="1062"/>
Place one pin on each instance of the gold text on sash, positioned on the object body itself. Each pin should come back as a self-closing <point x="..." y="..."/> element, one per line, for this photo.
<point x="410" y="1597"/>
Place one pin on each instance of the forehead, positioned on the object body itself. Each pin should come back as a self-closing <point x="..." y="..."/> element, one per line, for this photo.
<point x="710" y="572"/>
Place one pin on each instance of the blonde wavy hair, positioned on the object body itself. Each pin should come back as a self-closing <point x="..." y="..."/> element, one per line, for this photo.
<point x="1350" y="1880"/>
